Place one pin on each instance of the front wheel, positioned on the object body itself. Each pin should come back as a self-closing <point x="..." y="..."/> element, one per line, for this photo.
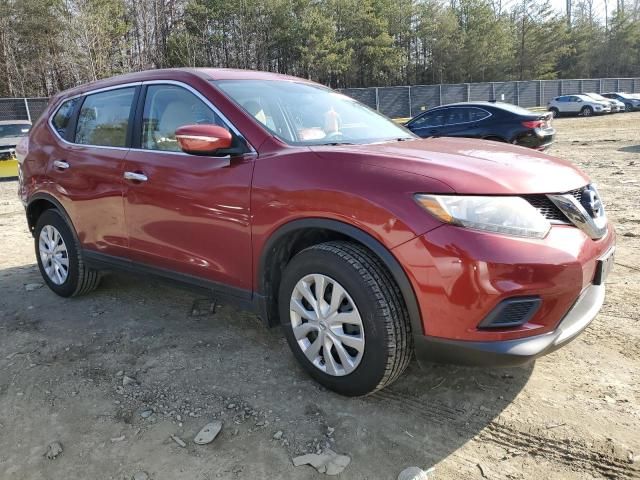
<point x="628" y="107"/>
<point x="586" y="111"/>
<point x="554" y="112"/>
<point x="344" y="318"/>
<point x="60" y="258"/>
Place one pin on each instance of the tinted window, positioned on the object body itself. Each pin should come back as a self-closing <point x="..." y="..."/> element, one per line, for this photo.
<point x="14" y="130"/>
<point x="431" y="119"/>
<point x="168" y="107"/>
<point x="459" y="115"/>
<point x="104" y="118"/>
<point x="62" y="117"/>
<point x="477" y="114"/>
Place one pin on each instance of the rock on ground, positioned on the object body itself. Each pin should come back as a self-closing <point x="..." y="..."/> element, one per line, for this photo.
<point x="329" y="462"/>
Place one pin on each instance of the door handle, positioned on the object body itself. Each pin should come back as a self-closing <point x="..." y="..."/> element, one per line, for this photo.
<point x="135" y="177"/>
<point x="61" y="165"/>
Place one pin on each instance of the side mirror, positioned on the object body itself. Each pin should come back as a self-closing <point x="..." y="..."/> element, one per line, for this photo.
<point x="203" y="139"/>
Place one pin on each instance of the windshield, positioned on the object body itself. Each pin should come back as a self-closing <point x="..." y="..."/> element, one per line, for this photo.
<point x="14" y="130"/>
<point x="306" y="114"/>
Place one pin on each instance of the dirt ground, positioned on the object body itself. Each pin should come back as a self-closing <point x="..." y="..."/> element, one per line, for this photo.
<point x="573" y="415"/>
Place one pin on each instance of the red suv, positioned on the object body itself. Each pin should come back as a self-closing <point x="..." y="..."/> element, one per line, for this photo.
<point x="364" y="242"/>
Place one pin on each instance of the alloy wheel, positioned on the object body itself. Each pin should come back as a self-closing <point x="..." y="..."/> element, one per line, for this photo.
<point x="53" y="254"/>
<point x="327" y="325"/>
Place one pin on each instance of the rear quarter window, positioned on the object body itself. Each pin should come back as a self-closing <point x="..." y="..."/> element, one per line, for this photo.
<point x="62" y="117"/>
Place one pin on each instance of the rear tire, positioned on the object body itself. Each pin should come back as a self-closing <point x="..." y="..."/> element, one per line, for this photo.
<point x="371" y="295"/>
<point x="586" y="111"/>
<point x="60" y="257"/>
<point x="555" y="112"/>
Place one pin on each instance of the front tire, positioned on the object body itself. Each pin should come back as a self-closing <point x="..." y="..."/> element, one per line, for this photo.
<point x="586" y="111"/>
<point x="344" y="318"/>
<point x="628" y="107"/>
<point x="60" y="257"/>
<point x="555" y="112"/>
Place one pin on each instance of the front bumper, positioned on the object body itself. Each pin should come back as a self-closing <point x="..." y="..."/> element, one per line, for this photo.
<point x="518" y="351"/>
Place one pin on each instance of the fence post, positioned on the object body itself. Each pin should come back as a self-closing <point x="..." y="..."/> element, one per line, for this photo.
<point x="377" y="100"/>
<point x="410" y="110"/>
<point x="518" y="93"/>
<point x="540" y="93"/>
<point x="617" y="84"/>
<point x="26" y="107"/>
<point x="468" y="92"/>
<point x="561" y="87"/>
<point x="581" y="86"/>
<point x="493" y="91"/>
<point x="440" y="95"/>
<point x="600" y="86"/>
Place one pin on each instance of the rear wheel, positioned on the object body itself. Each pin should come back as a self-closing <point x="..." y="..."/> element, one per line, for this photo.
<point x="344" y="318"/>
<point x="555" y="112"/>
<point x="586" y="111"/>
<point x="60" y="259"/>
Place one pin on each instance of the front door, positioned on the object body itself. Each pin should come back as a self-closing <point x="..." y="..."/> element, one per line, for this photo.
<point x="186" y="214"/>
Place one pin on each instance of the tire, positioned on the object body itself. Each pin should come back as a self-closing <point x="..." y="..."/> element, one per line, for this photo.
<point x="586" y="111"/>
<point x="79" y="278"/>
<point x="555" y="112"/>
<point x="628" y="107"/>
<point x="387" y="344"/>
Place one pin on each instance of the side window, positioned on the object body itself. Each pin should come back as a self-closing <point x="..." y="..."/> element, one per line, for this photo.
<point x="168" y="107"/>
<point x="104" y="118"/>
<point x="433" y="119"/>
<point x="477" y="114"/>
<point x="62" y="117"/>
<point x="458" y="115"/>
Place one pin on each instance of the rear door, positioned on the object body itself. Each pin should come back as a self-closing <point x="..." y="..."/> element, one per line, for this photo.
<point x="187" y="214"/>
<point x="465" y="121"/>
<point x="87" y="166"/>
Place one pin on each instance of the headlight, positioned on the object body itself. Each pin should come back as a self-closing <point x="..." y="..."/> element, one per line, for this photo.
<point x="507" y="215"/>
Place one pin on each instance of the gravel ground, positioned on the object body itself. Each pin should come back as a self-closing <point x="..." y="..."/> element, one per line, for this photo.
<point x="117" y="376"/>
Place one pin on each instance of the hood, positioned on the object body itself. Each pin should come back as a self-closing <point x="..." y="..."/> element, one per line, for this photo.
<point x="9" y="141"/>
<point x="469" y="166"/>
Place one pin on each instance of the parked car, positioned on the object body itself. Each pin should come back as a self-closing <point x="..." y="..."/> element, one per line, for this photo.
<point x="616" y="105"/>
<point x="631" y="101"/>
<point x="501" y="122"/>
<point x="577" y="105"/>
<point x="362" y="241"/>
<point x="11" y="132"/>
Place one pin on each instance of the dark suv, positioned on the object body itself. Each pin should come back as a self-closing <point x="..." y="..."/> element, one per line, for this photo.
<point x="364" y="242"/>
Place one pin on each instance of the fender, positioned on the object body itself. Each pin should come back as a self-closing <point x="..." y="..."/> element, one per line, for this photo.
<point x="51" y="199"/>
<point x="384" y="254"/>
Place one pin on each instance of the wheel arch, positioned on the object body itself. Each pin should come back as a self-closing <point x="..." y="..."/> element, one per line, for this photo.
<point x="39" y="203"/>
<point x="297" y="235"/>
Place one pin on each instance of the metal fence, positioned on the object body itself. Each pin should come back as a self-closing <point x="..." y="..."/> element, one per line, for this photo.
<point x="407" y="101"/>
<point x="22" y="108"/>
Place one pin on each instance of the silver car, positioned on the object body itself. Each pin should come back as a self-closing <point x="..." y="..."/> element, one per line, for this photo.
<point x="11" y="132"/>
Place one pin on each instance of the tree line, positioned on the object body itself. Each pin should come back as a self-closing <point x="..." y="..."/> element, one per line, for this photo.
<point x="50" y="45"/>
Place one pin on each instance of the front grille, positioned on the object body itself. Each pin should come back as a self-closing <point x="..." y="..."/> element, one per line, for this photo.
<point x="546" y="208"/>
<point x="512" y="312"/>
<point x="577" y="194"/>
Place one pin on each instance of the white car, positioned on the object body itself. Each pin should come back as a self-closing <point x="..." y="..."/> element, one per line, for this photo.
<point x="616" y="105"/>
<point x="577" y="105"/>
